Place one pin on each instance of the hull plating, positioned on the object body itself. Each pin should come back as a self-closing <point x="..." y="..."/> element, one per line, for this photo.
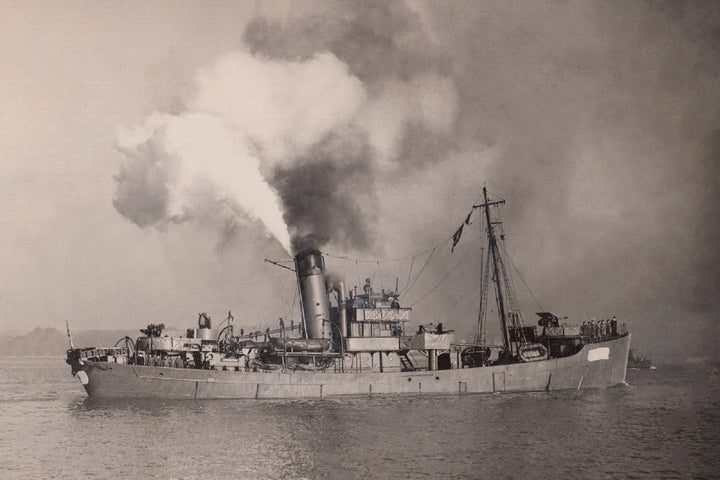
<point x="596" y="365"/>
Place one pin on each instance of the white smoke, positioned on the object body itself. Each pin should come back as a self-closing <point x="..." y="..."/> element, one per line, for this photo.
<point x="282" y="107"/>
<point x="206" y="149"/>
<point x="252" y="117"/>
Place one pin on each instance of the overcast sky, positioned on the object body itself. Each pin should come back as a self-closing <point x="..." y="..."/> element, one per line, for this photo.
<point x="155" y="153"/>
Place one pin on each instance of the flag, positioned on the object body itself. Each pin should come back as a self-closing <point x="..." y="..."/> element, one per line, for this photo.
<point x="467" y="219"/>
<point x="456" y="237"/>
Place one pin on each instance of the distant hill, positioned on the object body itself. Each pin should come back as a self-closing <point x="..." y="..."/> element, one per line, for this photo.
<point x="50" y="341"/>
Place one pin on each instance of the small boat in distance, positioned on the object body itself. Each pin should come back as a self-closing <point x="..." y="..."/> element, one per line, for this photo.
<point x="359" y="344"/>
<point x="638" y="362"/>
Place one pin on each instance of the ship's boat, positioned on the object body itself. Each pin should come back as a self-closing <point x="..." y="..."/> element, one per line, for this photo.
<point x="360" y="343"/>
<point x="532" y="352"/>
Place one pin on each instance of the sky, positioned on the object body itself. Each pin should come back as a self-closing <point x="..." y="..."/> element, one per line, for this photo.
<point x="154" y="154"/>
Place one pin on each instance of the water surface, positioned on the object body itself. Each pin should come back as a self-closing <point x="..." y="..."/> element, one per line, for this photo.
<point x="664" y="423"/>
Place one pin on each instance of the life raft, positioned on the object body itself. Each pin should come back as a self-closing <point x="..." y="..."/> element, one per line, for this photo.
<point x="532" y="352"/>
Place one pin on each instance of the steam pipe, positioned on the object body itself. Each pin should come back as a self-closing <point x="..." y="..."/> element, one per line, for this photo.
<point x="342" y="309"/>
<point x="342" y="350"/>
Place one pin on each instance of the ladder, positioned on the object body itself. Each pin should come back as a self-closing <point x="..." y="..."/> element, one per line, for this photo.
<point x="406" y="362"/>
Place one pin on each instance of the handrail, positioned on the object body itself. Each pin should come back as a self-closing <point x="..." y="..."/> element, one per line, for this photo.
<point x="92" y="352"/>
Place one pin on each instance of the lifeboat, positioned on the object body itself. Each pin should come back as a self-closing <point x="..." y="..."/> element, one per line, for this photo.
<point x="532" y="352"/>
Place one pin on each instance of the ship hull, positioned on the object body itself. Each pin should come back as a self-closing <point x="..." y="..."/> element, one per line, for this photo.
<point x="597" y="365"/>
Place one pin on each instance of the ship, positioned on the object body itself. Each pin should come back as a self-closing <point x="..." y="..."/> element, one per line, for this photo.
<point x="638" y="362"/>
<point x="358" y="342"/>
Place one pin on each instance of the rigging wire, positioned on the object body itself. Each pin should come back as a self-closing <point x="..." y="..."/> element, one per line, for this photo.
<point x="460" y="262"/>
<point x="292" y="305"/>
<point x="412" y="263"/>
<point x="471" y="304"/>
<point x="389" y="260"/>
<point x="280" y="290"/>
<point x="412" y="284"/>
<point x="523" y="280"/>
<point x="411" y="280"/>
<point x="466" y="280"/>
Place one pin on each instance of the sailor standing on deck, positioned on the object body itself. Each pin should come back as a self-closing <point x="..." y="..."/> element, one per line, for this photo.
<point x="368" y="293"/>
<point x="367" y="287"/>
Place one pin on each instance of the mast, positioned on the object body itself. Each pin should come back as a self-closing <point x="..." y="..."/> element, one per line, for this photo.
<point x="496" y="272"/>
<point x="485" y="265"/>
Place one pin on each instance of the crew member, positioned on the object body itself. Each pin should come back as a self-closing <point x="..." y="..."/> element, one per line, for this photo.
<point x="368" y="288"/>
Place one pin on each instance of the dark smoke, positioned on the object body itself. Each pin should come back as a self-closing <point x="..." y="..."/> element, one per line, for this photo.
<point x="330" y="195"/>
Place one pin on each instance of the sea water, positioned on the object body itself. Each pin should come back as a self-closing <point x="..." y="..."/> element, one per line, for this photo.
<point x="664" y="423"/>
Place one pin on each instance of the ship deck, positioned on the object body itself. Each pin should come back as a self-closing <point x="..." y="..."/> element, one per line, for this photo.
<point x="599" y="364"/>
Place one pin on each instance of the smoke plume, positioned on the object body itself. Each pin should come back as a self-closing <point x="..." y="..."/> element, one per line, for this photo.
<point x="294" y="130"/>
<point x="294" y="143"/>
<point x="171" y="157"/>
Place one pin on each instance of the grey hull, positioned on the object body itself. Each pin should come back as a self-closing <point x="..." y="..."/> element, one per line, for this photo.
<point x="597" y="365"/>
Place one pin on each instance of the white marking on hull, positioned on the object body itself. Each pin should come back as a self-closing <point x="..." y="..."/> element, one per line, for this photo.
<point x="83" y="377"/>
<point x="595" y="354"/>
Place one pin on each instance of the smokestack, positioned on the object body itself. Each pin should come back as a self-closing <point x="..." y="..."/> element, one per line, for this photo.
<point x="310" y="267"/>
